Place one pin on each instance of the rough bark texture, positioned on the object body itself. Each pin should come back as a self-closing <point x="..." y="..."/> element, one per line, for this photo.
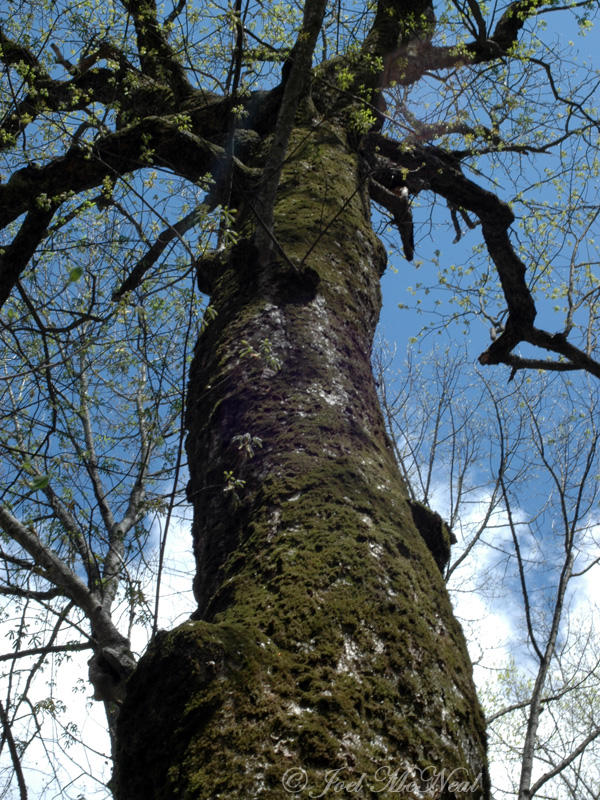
<point x="324" y="638"/>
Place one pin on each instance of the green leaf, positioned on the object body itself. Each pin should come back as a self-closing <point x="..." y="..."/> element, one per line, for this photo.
<point x="41" y="482"/>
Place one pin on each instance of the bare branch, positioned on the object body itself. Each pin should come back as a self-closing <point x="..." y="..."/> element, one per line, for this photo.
<point x="14" y="753"/>
<point x="31" y="594"/>
<point x="175" y="231"/>
<point x="562" y="765"/>
<point x="68" y="647"/>
<point x="55" y="570"/>
<point x="15" y="257"/>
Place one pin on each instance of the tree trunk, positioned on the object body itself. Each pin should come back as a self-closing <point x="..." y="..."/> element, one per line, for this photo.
<point x="324" y="652"/>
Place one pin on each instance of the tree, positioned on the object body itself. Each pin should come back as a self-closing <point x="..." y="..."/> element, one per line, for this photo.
<point x="515" y="474"/>
<point x="565" y="669"/>
<point x="324" y="639"/>
<point x="91" y="447"/>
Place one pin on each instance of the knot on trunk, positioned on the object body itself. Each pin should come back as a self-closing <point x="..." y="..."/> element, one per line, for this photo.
<point x="108" y="671"/>
<point x="436" y="533"/>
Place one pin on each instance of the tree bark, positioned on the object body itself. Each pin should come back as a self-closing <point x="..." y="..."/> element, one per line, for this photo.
<point x="324" y="648"/>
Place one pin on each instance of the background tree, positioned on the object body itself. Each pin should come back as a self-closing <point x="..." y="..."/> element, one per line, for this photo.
<point x="91" y="444"/>
<point x="563" y="455"/>
<point x="306" y="650"/>
<point x="515" y="475"/>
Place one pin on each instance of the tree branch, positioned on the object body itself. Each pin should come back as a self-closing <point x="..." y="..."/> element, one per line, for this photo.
<point x="156" y="56"/>
<point x="73" y="530"/>
<point x="398" y="204"/>
<point x="175" y="231"/>
<point x="15" y="257"/>
<point x="30" y="594"/>
<point x="431" y="168"/>
<point x="112" y="661"/>
<point x="56" y="571"/>
<point x="13" y="53"/>
<point x="69" y="647"/>
<point x="513" y="19"/>
<point x="296" y="83"/>
<point x="166" y="145"/>
<point x="564" y="763"/>
<point x="93" y="86"/>
<point x="14" y="753"/>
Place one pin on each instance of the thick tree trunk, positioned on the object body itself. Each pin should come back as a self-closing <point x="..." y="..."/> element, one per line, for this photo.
<point x="324" y="638"/>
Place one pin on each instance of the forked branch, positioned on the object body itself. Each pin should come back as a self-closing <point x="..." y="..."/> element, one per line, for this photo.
<point x="430" y="168"/>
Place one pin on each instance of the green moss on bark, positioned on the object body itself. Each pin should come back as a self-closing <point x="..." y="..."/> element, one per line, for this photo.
<point x="325" y="638"/>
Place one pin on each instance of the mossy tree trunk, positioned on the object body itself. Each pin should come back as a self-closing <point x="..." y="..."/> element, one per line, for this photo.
<point x="324" y="645"/>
